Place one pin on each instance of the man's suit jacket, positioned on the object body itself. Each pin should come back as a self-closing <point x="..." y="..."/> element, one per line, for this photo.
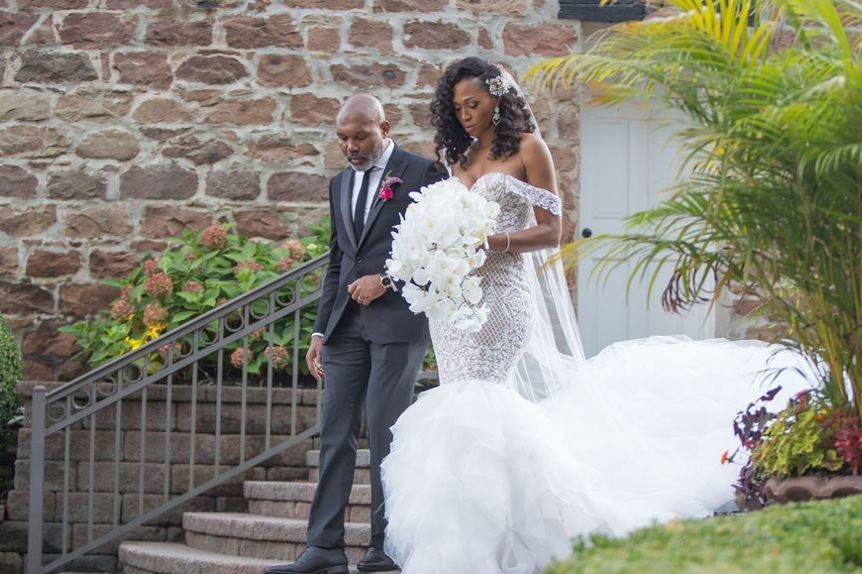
<point x="388" y="318"/>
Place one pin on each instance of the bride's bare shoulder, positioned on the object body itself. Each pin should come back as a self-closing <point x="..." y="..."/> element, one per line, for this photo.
<point x="532" y="144"/>
<point x="537" y="161"/>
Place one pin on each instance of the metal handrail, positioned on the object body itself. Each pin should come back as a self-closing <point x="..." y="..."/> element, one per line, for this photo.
<point x="80" y="399"/>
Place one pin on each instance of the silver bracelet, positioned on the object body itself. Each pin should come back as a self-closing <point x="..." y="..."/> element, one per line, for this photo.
<point x="508" y="242"/>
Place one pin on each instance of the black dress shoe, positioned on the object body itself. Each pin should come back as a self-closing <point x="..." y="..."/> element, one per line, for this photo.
<point x="375" y="560"/>
<point x="314" y="560"/>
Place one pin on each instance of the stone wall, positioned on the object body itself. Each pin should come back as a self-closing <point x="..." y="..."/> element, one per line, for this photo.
<point x="123" y="122"/>
<point x="291" y="465"/>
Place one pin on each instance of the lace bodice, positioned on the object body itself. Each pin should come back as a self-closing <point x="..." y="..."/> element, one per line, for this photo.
<point x="516" y="199"/>
<point x="490" y="354"/>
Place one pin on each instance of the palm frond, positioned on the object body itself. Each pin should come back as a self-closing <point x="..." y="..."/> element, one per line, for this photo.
<point x="772" y="199"/>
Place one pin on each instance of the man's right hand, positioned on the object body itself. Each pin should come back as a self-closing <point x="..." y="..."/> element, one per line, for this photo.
<point x="314" y="357"/>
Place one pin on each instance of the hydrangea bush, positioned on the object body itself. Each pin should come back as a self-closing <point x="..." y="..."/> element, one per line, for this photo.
<point x="196" y="273"/>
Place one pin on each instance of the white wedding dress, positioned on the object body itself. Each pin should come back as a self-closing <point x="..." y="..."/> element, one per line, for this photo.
<point x="482" y="479"/>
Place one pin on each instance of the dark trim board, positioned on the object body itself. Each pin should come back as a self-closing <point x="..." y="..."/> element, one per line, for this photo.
<point x="617" y="11"/>
<point x="592" y="11"/>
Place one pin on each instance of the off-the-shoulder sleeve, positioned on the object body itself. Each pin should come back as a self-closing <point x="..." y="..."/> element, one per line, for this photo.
<point x="539" y="197"/>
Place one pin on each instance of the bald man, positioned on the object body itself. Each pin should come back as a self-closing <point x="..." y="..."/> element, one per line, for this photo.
<point x="367" y="343"/>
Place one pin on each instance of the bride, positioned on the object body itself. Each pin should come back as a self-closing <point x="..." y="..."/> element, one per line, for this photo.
<point x="525" y="444"/>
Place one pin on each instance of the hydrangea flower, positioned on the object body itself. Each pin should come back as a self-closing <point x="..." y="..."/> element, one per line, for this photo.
<point x="253" y="266"/>
<point x="155" y="315"/>
<point x="239" y="356"/>
<point x="285" y="264"/>
<point x="122" y="310"/>
<point x="295" y="247"/>
<point x="278" y="354"/>
<point x="151" y="266"/>
<point x="159" y="285"/>
<point x="214" y="237"/>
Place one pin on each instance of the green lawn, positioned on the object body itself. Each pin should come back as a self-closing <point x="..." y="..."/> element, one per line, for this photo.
<point x="807" y="538"/>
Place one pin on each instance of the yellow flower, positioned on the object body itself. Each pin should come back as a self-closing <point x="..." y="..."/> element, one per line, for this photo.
<point x="153" y="331"/>
<point x="135" y="343"/>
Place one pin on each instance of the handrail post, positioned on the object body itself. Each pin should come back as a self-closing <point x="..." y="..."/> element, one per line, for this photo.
<point x="37" y="484"/>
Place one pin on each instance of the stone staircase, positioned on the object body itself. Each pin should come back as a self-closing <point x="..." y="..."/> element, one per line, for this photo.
<point x="271" y="532"/>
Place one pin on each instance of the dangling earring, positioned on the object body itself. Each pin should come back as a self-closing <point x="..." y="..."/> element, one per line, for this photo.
<point x="496" y="118"/>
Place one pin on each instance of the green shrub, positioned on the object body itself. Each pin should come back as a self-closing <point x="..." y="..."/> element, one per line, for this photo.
<point x="809" y="538"/>
<point x="196" y="273"/>
<point x="10" y="400"/>
<point x="10" y="374"/>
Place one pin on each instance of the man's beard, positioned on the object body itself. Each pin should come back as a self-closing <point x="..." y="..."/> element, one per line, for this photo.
<point x="369" y="163"/>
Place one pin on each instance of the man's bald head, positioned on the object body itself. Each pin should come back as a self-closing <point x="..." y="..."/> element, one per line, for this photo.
<point x="362" y="130"/>
<point x="361" y="109"/>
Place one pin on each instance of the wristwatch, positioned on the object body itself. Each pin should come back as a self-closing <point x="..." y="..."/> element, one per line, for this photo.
<point x="385" y="281"/>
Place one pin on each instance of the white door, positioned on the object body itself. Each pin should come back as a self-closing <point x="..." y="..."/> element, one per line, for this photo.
<point x="627" y="163"/>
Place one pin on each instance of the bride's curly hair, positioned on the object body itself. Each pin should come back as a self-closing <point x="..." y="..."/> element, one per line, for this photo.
<point x="451" y="138"/>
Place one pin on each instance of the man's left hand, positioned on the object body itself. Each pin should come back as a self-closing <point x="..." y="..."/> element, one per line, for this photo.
<point x="366" y="289"/>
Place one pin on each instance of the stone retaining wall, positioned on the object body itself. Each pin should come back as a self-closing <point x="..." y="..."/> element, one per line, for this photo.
<point x="123" y="122"/>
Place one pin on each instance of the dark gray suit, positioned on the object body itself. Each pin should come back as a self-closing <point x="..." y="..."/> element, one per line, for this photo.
<point x="370" y="352"/>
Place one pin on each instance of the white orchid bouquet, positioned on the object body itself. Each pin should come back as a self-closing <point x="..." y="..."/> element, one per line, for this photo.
<point x="437" y="248"/>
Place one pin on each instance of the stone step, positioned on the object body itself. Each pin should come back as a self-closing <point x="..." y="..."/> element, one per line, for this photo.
<point x="265" y="537"/>
<point x="174" y="558"/>
<point x="293" y="499"/>
<point x="363" y="458"/>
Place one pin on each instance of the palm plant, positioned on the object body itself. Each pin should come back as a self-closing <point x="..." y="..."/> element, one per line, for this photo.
<point x="772" y="203"/>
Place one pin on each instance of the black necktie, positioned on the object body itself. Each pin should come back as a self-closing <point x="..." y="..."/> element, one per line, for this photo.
<point x="359" y="211"/>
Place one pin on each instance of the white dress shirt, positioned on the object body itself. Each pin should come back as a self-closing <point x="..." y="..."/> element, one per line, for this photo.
<point x="376" y="176"/>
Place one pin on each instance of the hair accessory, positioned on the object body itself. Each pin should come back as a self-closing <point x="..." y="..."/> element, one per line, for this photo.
<point x="499" y="85"/>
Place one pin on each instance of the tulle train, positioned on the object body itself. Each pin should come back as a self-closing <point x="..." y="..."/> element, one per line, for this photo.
<point x="482" y="481"/>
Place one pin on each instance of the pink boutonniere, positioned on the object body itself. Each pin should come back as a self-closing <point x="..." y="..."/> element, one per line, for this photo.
<point x="387" y="191"/>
